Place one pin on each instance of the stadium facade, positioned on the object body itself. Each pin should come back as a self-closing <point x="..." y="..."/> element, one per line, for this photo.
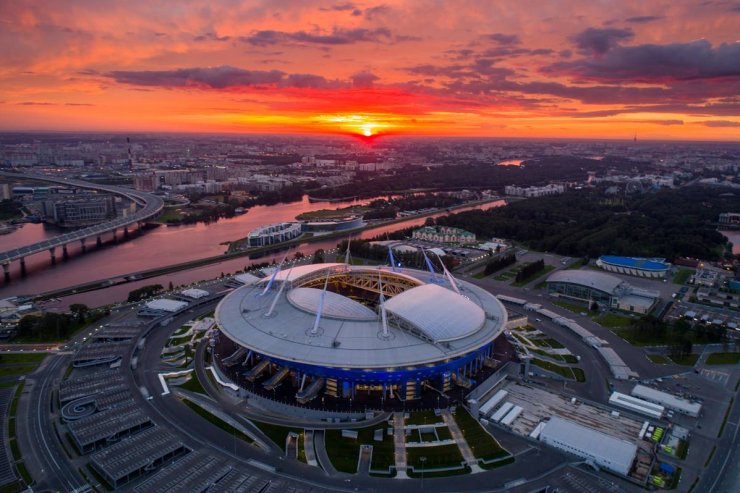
<point x="337" y="332"/>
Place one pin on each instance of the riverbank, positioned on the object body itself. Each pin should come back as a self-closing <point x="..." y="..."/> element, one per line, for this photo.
<point x="181" y="266"/>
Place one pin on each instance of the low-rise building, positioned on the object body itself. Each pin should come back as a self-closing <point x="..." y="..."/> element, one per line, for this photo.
<point x="596" y="287"/>
<point x="443" y="234"/>
<point x="655" y="268"/>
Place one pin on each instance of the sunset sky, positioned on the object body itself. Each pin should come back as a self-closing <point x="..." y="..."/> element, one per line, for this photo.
<point x="578" y="69"/>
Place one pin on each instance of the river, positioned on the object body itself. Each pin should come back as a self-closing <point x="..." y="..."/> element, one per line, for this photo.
<point x="162" y="246"/>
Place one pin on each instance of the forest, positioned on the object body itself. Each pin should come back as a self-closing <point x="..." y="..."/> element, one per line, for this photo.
<point x="478" y="176"/>
<point x="665" y="223"/>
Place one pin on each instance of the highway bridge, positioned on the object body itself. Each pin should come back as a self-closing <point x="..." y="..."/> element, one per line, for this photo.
<point x="149" y="206"/>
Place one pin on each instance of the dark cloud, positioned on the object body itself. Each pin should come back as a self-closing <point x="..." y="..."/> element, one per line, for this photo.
<point x="364" y="79"/>
<point x="201" y="77"/>
<point x="78" y="104"/>
<point x="565" y="53"/>
<point x="503" y="39"/>
<point x="223" y="77"/>
<point x="657" y="63"/>
<point x="597" y="41"/>
<point x="211" y="37"/>
<point x="337" y="36"/>
<point x="35" y="103"/>
<point x="339" y="7"/>
<point x="377" y="11"/>
<point x="720" y="123"/>
<point x="643" y="19"/>
<point x="730" y="108"/>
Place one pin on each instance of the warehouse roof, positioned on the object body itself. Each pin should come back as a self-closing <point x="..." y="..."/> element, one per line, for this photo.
<point x="653" y="264"/>
<point x="593" y="279"/>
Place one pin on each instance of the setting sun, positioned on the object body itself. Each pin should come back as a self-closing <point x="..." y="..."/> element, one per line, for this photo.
<point x="367" y="131"/>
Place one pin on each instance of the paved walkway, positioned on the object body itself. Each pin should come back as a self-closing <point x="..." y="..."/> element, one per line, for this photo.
<point x="457" y="435"/>
<point x="399" y="440"/>
<point x="308" y="447"/>
<point x="321" y="455"/>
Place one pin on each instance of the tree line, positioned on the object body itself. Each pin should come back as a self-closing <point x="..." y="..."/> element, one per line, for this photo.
<point x="588" y="223"/>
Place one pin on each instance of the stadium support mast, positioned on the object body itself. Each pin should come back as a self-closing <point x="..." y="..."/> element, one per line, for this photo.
<point x="392" y="259"/>
<point x="430" y="266"/>
<point x="346" y="255"/>
<point x="315" y="329"/>
<point x="274" y="274"/>
<point x="383" y="314"/>
<point x="280" y="291"/>
<point x="448" y="275"/>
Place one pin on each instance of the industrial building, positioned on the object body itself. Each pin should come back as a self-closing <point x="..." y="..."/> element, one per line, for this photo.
<point x="597" y="287"/>
<point x="669" y="401"/>
<point x="637" y="405"/>
<point x="603" y="450"/>
<point x="654" y="268"/>
<point x="340" y="331"/>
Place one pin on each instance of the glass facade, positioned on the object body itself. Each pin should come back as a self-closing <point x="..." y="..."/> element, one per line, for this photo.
<point x="578" y="292"/>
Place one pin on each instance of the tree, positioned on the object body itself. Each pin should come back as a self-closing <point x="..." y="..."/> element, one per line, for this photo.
<point x="594" y="306"/>
<point x="299" y="255"/>
<point x="80" y="310"/>
<point x="318" y="257"/>
<point x="170" y="287"/>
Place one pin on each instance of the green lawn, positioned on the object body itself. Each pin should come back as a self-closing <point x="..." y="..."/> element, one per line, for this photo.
<point x="573" y="307"/>
<point x="612" y="320"/>
<point x="534" y="276"/>
<point x="436" y="457"/>
<point x="15" y="358"/>
<point x="276" y="433"/>
<point x="423" y="417"/>
<point x="570" y="373"/>
<point x="483" y="445"/>
<point x="682" y="276"/>
<point x="723" y="359"/>
<point x="659" y="359"/>
<point x="16" y="370"/>
<point x="689" y="360"/>
<point x="193" y="385"/>
<point x="344" y="452"/>
<point x="569" y="358"/>
<point x="217" y="421"/>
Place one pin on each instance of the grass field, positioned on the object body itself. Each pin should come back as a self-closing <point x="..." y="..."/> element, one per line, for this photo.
<point x="612" y="320"/>
<point x="423" y="418"/>
<point x="436" y="457"/>
<point x="659" y="359"/>
<point x="16" y="370"/>
<point x="565" y="372"/>
<point x="16" y="358"/>
<point x="682" y="276"/>
<point x="483" y="445"/>
<point x="723" y="359"/>
<point x="534" y="276"/>
<point x="278" y="434"/>
<point x="572" y="307"/>
<point x="689" y="360"/>
<point x="217" y="421"/>
<point x="344" y="452"/>
<point x="194" y="385"/>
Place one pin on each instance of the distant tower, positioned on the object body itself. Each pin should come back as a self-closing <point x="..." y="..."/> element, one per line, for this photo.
<point x="635" y="139"/>
<point x="130" y="157"/>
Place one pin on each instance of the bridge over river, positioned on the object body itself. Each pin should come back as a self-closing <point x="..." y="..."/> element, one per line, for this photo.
<point x="149" y="204"/>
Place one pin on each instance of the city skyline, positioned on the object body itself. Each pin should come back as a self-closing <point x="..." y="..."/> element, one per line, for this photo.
<point x="660" y="71"/>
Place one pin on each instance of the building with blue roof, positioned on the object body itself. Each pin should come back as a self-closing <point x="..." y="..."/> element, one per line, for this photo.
<point x="654" y="268"/>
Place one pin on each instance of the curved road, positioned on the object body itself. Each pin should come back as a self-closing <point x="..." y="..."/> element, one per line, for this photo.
<point x="151" y="206"/>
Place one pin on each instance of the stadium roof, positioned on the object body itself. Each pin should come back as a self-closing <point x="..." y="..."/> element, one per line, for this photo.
<point x="350" y="334"/>
<point x="335" y="305"/>
<point x="591" y="278"/>
<point x="440" y="314"/>
<point x="653" y="264"/>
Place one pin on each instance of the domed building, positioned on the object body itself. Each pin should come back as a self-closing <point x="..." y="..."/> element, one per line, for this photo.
<point x="337" y="332"/>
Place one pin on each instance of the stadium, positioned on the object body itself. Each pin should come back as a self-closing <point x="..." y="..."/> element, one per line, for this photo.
<point x="330" y="335"/>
